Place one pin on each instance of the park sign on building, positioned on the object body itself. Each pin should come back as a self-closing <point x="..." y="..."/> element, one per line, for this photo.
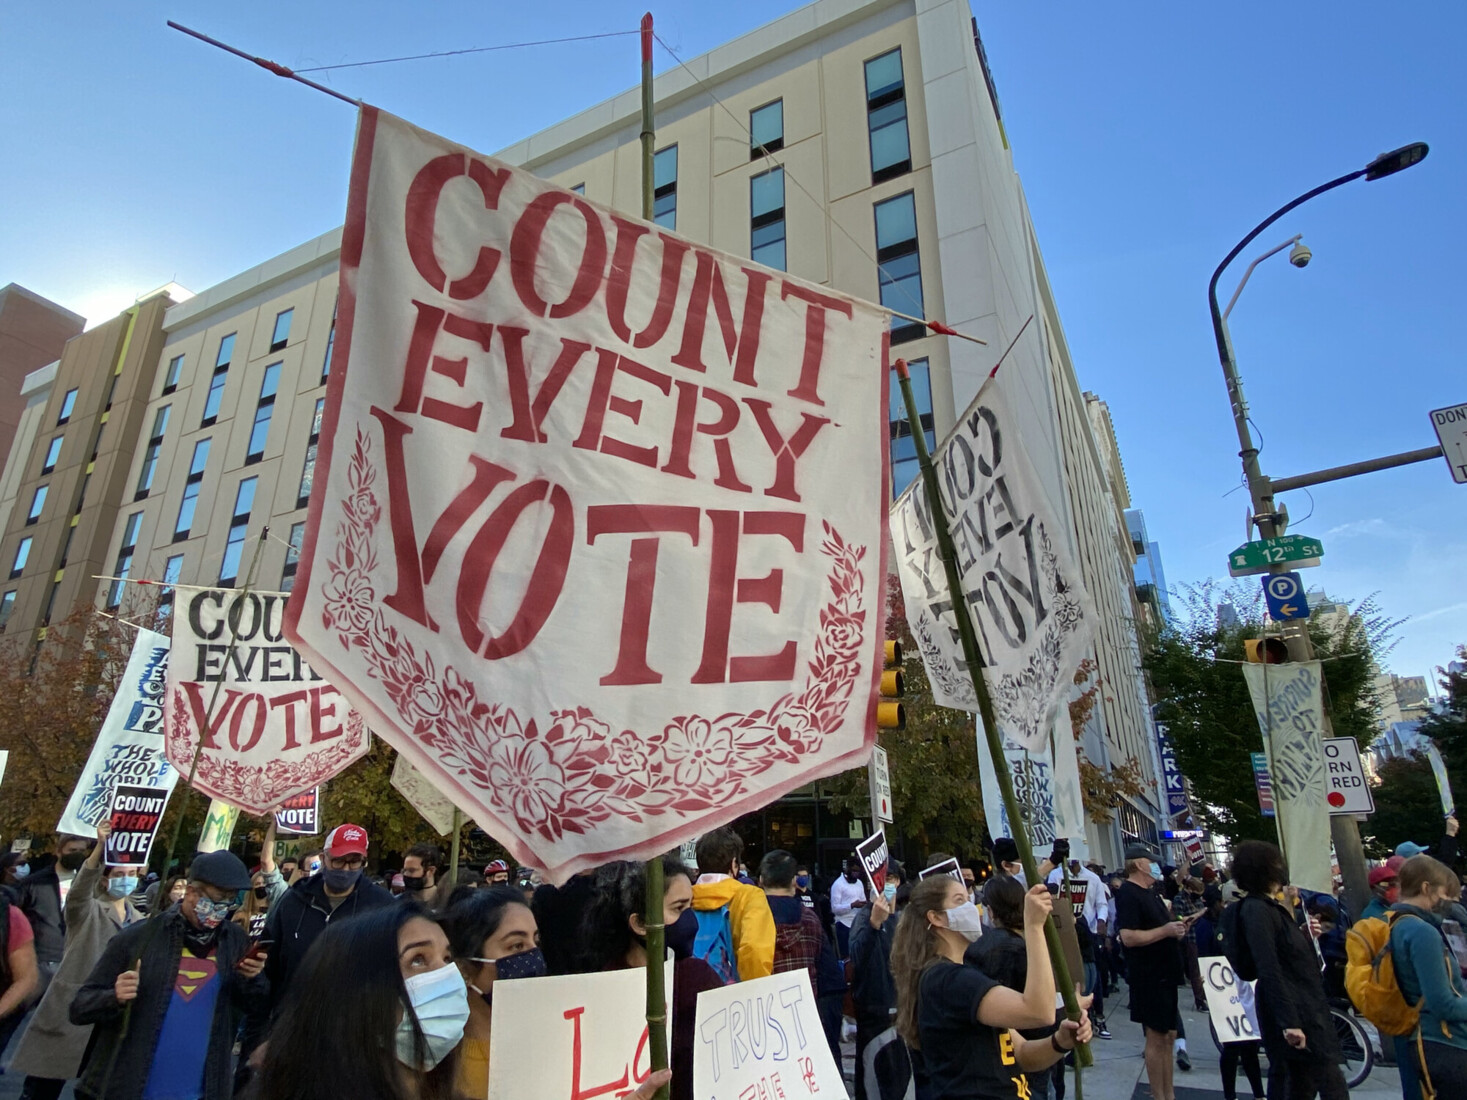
<point x="1171" y="774"/>
<point x="595" y="540"/>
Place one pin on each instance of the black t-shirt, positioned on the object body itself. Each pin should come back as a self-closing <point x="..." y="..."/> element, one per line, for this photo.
<point x="1142" y="910"/>
<point x="965" y="1060"/>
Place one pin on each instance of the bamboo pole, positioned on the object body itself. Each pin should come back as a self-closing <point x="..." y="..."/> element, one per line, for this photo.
<point x="656" y="994"/>
<point x="453" y="846"/>
<point x="974" y="661"/>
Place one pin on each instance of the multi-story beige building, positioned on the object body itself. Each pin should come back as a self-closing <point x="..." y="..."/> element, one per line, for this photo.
<point x="33" y="332"/>
<point x="856" y="143"/>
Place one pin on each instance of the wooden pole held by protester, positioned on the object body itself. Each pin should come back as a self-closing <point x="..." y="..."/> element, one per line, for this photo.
<point x="453" y="845"/>
<point x="656" y="995"/>
<point x="974" y="660"/>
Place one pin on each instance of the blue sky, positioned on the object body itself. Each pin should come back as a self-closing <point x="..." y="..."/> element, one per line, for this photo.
<point x="1149" y="136"/>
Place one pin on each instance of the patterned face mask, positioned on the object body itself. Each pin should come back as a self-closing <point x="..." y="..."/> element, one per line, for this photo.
<point x="210" y="913"/>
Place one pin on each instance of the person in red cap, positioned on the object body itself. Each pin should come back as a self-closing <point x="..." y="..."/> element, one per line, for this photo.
<point x="497" y="872"/>
<point x="1385" y="891"/>
<point x="338" y="893"/>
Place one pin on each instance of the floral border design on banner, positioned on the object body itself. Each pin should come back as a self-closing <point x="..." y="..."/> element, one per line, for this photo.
<point x="566" y="772"/>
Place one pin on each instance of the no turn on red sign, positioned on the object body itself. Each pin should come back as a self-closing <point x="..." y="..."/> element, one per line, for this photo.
<point x="1346" y="788"/>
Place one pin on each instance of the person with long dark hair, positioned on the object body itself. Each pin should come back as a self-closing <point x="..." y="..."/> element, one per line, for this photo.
<point x="615" y="937"/>
<point x="963" y="1022"/>
<point x="375" y="1012"/>
<point x="494" y="938"/>
<point x="1293" y="1011"/>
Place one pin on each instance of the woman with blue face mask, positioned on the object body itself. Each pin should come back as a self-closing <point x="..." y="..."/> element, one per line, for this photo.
<point x="494" y="938"/>
<point x="98" y="905"/>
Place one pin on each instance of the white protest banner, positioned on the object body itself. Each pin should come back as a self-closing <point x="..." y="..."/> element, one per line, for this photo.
<point x="274" y="727"/>
<point x="4" y="762"/>
<point x="134" y="816"/>
<point x="872" y="854"/>
<point x="431" y="803"/>
<point x="762" y="1040"/>
<point x="595" y="541"/>
<point x="573" y="1036"/>
<point x="129" y="746"/>
<point x="218" y="830"/>
<point x="1024" y="595"/>
<point x="1290" y="712"/>
<point x="1049" y="798"/>
<point x="1443" y="783"/>
<point x="1229" y="1002"/>
<point x="300" y="814"/>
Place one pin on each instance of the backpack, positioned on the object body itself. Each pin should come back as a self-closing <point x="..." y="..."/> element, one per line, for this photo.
<point x="1234" y="945"/>
<point x="714" y="943"/>
<point x="797" y="946"/>
<point x="1370" y="977"/>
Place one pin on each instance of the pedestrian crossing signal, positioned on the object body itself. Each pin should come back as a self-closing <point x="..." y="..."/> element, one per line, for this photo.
<point x="1265" y="651"/>
<point x="890" y="714"/>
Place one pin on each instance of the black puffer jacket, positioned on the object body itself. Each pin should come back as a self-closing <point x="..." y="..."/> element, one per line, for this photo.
<point x="1290" y="989"/>
<point x="302" y="914"/>
<point x="133" y="1035"/>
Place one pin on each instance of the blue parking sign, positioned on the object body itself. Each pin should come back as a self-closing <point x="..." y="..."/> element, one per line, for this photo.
<point x="1284" y="594"/>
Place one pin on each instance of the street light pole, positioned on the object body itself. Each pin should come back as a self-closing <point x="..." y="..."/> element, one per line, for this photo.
<point x="1271" y="523"/>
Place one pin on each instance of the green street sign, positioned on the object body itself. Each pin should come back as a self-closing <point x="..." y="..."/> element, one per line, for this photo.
<point x="1258" y="557"/>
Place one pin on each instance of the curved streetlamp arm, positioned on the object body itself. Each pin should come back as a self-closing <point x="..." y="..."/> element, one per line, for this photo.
<point x="1227" y="309"/>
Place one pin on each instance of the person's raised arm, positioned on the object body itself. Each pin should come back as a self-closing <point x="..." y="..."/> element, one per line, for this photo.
<point x="267" y="848"/>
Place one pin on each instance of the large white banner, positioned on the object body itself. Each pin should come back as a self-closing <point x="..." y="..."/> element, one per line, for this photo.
<point x="1047" y="788"/>
<point x="1024" y="595"/>
<point x="595" y="540"/>
<point x="270" y="726"/>
<point x="574" y="1036"/>
<point x="432" y="804"/>
<point x="129" y="748"/>
<point x="1287" y="700"/>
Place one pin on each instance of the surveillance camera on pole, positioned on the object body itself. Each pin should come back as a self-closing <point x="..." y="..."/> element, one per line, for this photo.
<point x="1300" y="255"/>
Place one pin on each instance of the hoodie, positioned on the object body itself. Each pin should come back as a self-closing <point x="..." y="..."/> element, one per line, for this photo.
<point x="749" y="916"/>
<point x="301" y="915"/>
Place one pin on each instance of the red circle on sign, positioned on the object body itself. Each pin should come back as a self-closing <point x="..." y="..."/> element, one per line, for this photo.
<point x="1336" y="798"/>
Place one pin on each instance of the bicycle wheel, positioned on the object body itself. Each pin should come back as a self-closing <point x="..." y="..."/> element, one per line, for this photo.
<point x="1355" y="1045"/>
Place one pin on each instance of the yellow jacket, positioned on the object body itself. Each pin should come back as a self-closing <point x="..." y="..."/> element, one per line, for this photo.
<point x="750" y="918"/>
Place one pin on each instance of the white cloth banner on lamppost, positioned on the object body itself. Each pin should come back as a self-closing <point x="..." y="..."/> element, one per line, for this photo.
<point x="1288" y="702"/>
<point x="595" y="539"/>
<point x="1024" y="594"/>
<point x="1049" y="796"/>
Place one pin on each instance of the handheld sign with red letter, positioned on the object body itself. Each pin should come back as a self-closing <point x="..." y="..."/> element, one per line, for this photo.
<point x="135" y="814"/>
<point x="872" y="853"/>
<point x="762" y="1040"/>
<point x="271" y="727"/>
<point x="595" y="541"/>
<point x="947" y="867"/>
<point x="300" y="815"/>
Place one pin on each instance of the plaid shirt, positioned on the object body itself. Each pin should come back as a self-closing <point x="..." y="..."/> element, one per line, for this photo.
<point x="1184" y="905"/>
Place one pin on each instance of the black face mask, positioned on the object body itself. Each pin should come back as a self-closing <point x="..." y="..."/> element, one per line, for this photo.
<point x="262" y="892"/>
<point x="340" y="881"/>
<point x="72" y="861"/>
<point x="681" y="934"/>
<point x="850" y="876"/>
<point x="200" y="940"/>
<point x="415" y="882"/>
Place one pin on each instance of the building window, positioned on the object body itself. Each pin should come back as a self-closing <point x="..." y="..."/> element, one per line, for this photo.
<point x="50" y="604"/>
<point x="330" y="347"/>
<point x="766" y="129"/>
<point x="124" y="559"/>
<point x="53" y="452"/>
<point x="664" y="185"/>
<point x="579" y="189"/>
<point x="263" y="411"/>
<point x="172" y="570"/>
<point x="903" y="447"/>
<point x="281" y="336"/>
<point x="68" y="403"/>
<point x="766" y="218"/>
<point x="292" y="557"/>
<point x="170" y="379"/>
<point x="7" y="605"/>
<point x="22" y="554"/>
<point x="66" y="546"/>
<point x="886" y="117"/>
<point x="899" y="270"/>
<point x="308" y="471"/>
<point x="244" y="500"/>
<point x="185" y="523"/>
<point x="38" y="501"/>
<point x="226" y="352"/>
<point x="216" y="395"/>
<point x="150" y="455"/>
<point x="111" y="392"/>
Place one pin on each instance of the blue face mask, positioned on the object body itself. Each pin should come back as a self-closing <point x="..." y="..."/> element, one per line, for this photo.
<point x="20" y="870"/>
<point x="122" y="885"/>
<point x="440" y="1001"/>
<point x="889" y="892"/>
<point x="802" y="881"/>
<point x="1155" y="870"/>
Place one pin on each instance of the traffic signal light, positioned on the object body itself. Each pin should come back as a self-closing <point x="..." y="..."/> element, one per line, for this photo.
<point x="890" y="714"/>
<point x="1265" y="651"/>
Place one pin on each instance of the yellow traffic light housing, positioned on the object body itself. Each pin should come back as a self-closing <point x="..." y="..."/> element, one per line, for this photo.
<point x="890" y="714"/>
<point x="1265" y="651"/>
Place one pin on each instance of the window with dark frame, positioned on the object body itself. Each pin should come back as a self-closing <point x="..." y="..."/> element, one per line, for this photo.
<point x="216" y="383"/>
<point x="579" y="189"/>
<point x="124" y="560"/>
<point x="903" y="447"/>
<point x="226" y="351"/>
<point x="50" y="603"/>
<point x="66" y="546"/>
<point x="281" y="336"/>
<point x="111" y="392"/>
<point x="886" y="117"/>
<point x="899" y="265"/>
<point x="244" y="502"/>
<point x="664" y="187"/>
<point x="22" y="555"/>
<point x="308" y="469"/>
<point x="150" y="453"/>
<point x="172" y="570"/>
<point x="292" y="557"/>
<point x="68" y="404"/>
<point x="260" y="431"/>
<point x="183" y="526"/>
<point x="38" y="501"/>
<point x="53" y="452"/>
<point x="766" y="129"/>
<point x="170" y="378"/>
<point x="7" y="605"/>
<point x="330" y="347"/>
<point x="766" y="219"/>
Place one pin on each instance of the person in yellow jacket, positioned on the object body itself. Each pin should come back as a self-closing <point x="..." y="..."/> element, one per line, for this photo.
<point x="751" y="921"/>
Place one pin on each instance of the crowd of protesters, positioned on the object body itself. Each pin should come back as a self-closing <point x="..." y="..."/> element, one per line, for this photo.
<point x="313" y="979"/>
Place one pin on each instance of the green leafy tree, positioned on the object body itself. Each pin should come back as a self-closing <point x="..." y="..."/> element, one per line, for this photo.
<point x="935" y="786"/>
<point x="1204" y="703"/>
<point x="1407" y="806"/>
